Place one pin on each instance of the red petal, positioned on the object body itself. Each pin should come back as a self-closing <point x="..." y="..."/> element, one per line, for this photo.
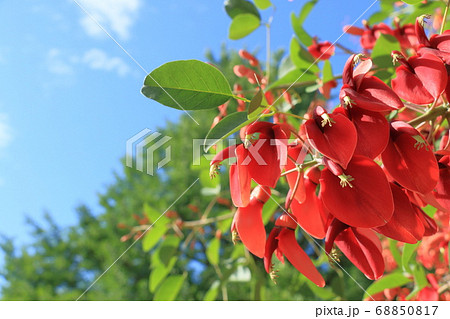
<point x="410" y="88"/>
<point x="428" y="294"/>
<point x="271" y="245"/>
<point x="428" y="222"/>
<point x="368" y="203"/>
<point x="405" y="225"/>
<point x="378" y="91"/>
<point x="263" y="163"/>
<point x="297" y="257"/>
<point x="337" y="141"/>
<point x="362" y="248"/>
<point x="240" y="182"/>
<point x="442" y="193"/>
<point x="250" y="227"/>
<point x="415" y="169"/>
<point x="363" y="101"/>
<point x="373" y="132"/>
<point x="308" y="213"/>
<point x="431" y="71"/>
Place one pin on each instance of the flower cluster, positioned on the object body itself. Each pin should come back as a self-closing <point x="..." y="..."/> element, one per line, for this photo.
<point x="358" y="172"/>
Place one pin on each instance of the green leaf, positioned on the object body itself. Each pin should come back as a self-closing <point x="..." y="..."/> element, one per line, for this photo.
<point x="155" y="216"/>
<point x="306" y="9"/>
<point x="242" y="25"/>
<point x="236" y="7"/>
<point x="301" y="58"/>
<point x="299" y="31"/>
<point x="263" y="4"/>
<point x="297" y="76"/>
<point x="153" y="236"/>
<point x="408" y="252"/>
<point x="212" y="292"/>
<point x="227" y="126"/>
<point x="420" y="280"/>
<point x="430" y="210"/>
<point x="160" y="272"/>
<point x="386" y="282"/>
<point x="169" y="289"/>
<point x="377" y="17"/>
<point x="394" y="251"/>
<point x="381" y="54"/>
<point x="255" y="103"/>
<point x="327" y="72"/>
<point x="187" y="85"/>
<point x="212" y="251"/>
<point x="168" y="248"/>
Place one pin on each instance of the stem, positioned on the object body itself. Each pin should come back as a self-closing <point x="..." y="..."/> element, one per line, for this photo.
<point x="445" y="17"/>
<point x="431" y="114"/>
<point x="297" y="184"/>
<point x="346" y="50"/>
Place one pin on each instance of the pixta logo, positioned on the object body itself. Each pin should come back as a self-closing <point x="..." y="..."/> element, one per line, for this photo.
<point x="141" y="149"/>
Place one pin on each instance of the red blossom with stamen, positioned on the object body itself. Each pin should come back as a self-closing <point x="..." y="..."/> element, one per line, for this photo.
<point x="321" y="50"/>
<point x="360" y="195"/>
<point x="333" y="135"/>
<point x="409" y="160"/>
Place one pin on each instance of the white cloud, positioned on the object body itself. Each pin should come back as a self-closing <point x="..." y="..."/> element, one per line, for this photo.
<point x="98" y="60"/>
<point x="57" y="63"/>
<point x="117" y="16"/>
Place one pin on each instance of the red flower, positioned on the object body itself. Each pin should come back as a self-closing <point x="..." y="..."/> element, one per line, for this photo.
<point x="442" y="193"/>
<point x="405" y="224"/>
<point x="369" y="35"/>
<point x="360" y="195"/>
<point x="309" y="212"/>
<point x="282" y="239"/>
<point x="361" y="246"/>
<point x="420" y="79"/>
<point x="372" y="130"/>
<point x="409" y="160"/>
<point x="249" y="224"/>
<point x="333" y="135"/>
<point x="365" y="91"/>
<point x="322" y="50"/>
<point x="258" y="159"/>
<point x="438" y="44"/>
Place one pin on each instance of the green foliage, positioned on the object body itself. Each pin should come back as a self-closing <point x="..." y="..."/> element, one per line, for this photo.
<point x="227" y="126"/>
<point x="242" y="25"/>
<point x="187" y="85"/>
<point x="391" y="280"/>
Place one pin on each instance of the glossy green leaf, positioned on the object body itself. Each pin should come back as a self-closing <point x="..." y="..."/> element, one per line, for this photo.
<point x="227" y="126"/>
<point x="153" y="236"/>
<point x="378" y="17"/>
<point x="381" y="54"/>
<point x="242" y="25"/>
<point x="327" y="72"/>
<point x="158" y="274"/>
<point x="212" y="292"/>
<point x="297" y="76"/>
<point x="187" y="85"/>
<point x="236" y="7"/>
<point x="430" y="210"/>
<point x="408" y="252"/>
<point x="263" y="4"/>
<point x="299" y="31"/>
<point x="386" y="282"/>
<point x="301" y="58"/>
<point x="255" y="103"/>
<point x="169" y="289"/>
<point x="212" y="251"/>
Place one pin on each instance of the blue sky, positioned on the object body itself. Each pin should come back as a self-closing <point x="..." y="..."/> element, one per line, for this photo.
<point x="70" y="98"/>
